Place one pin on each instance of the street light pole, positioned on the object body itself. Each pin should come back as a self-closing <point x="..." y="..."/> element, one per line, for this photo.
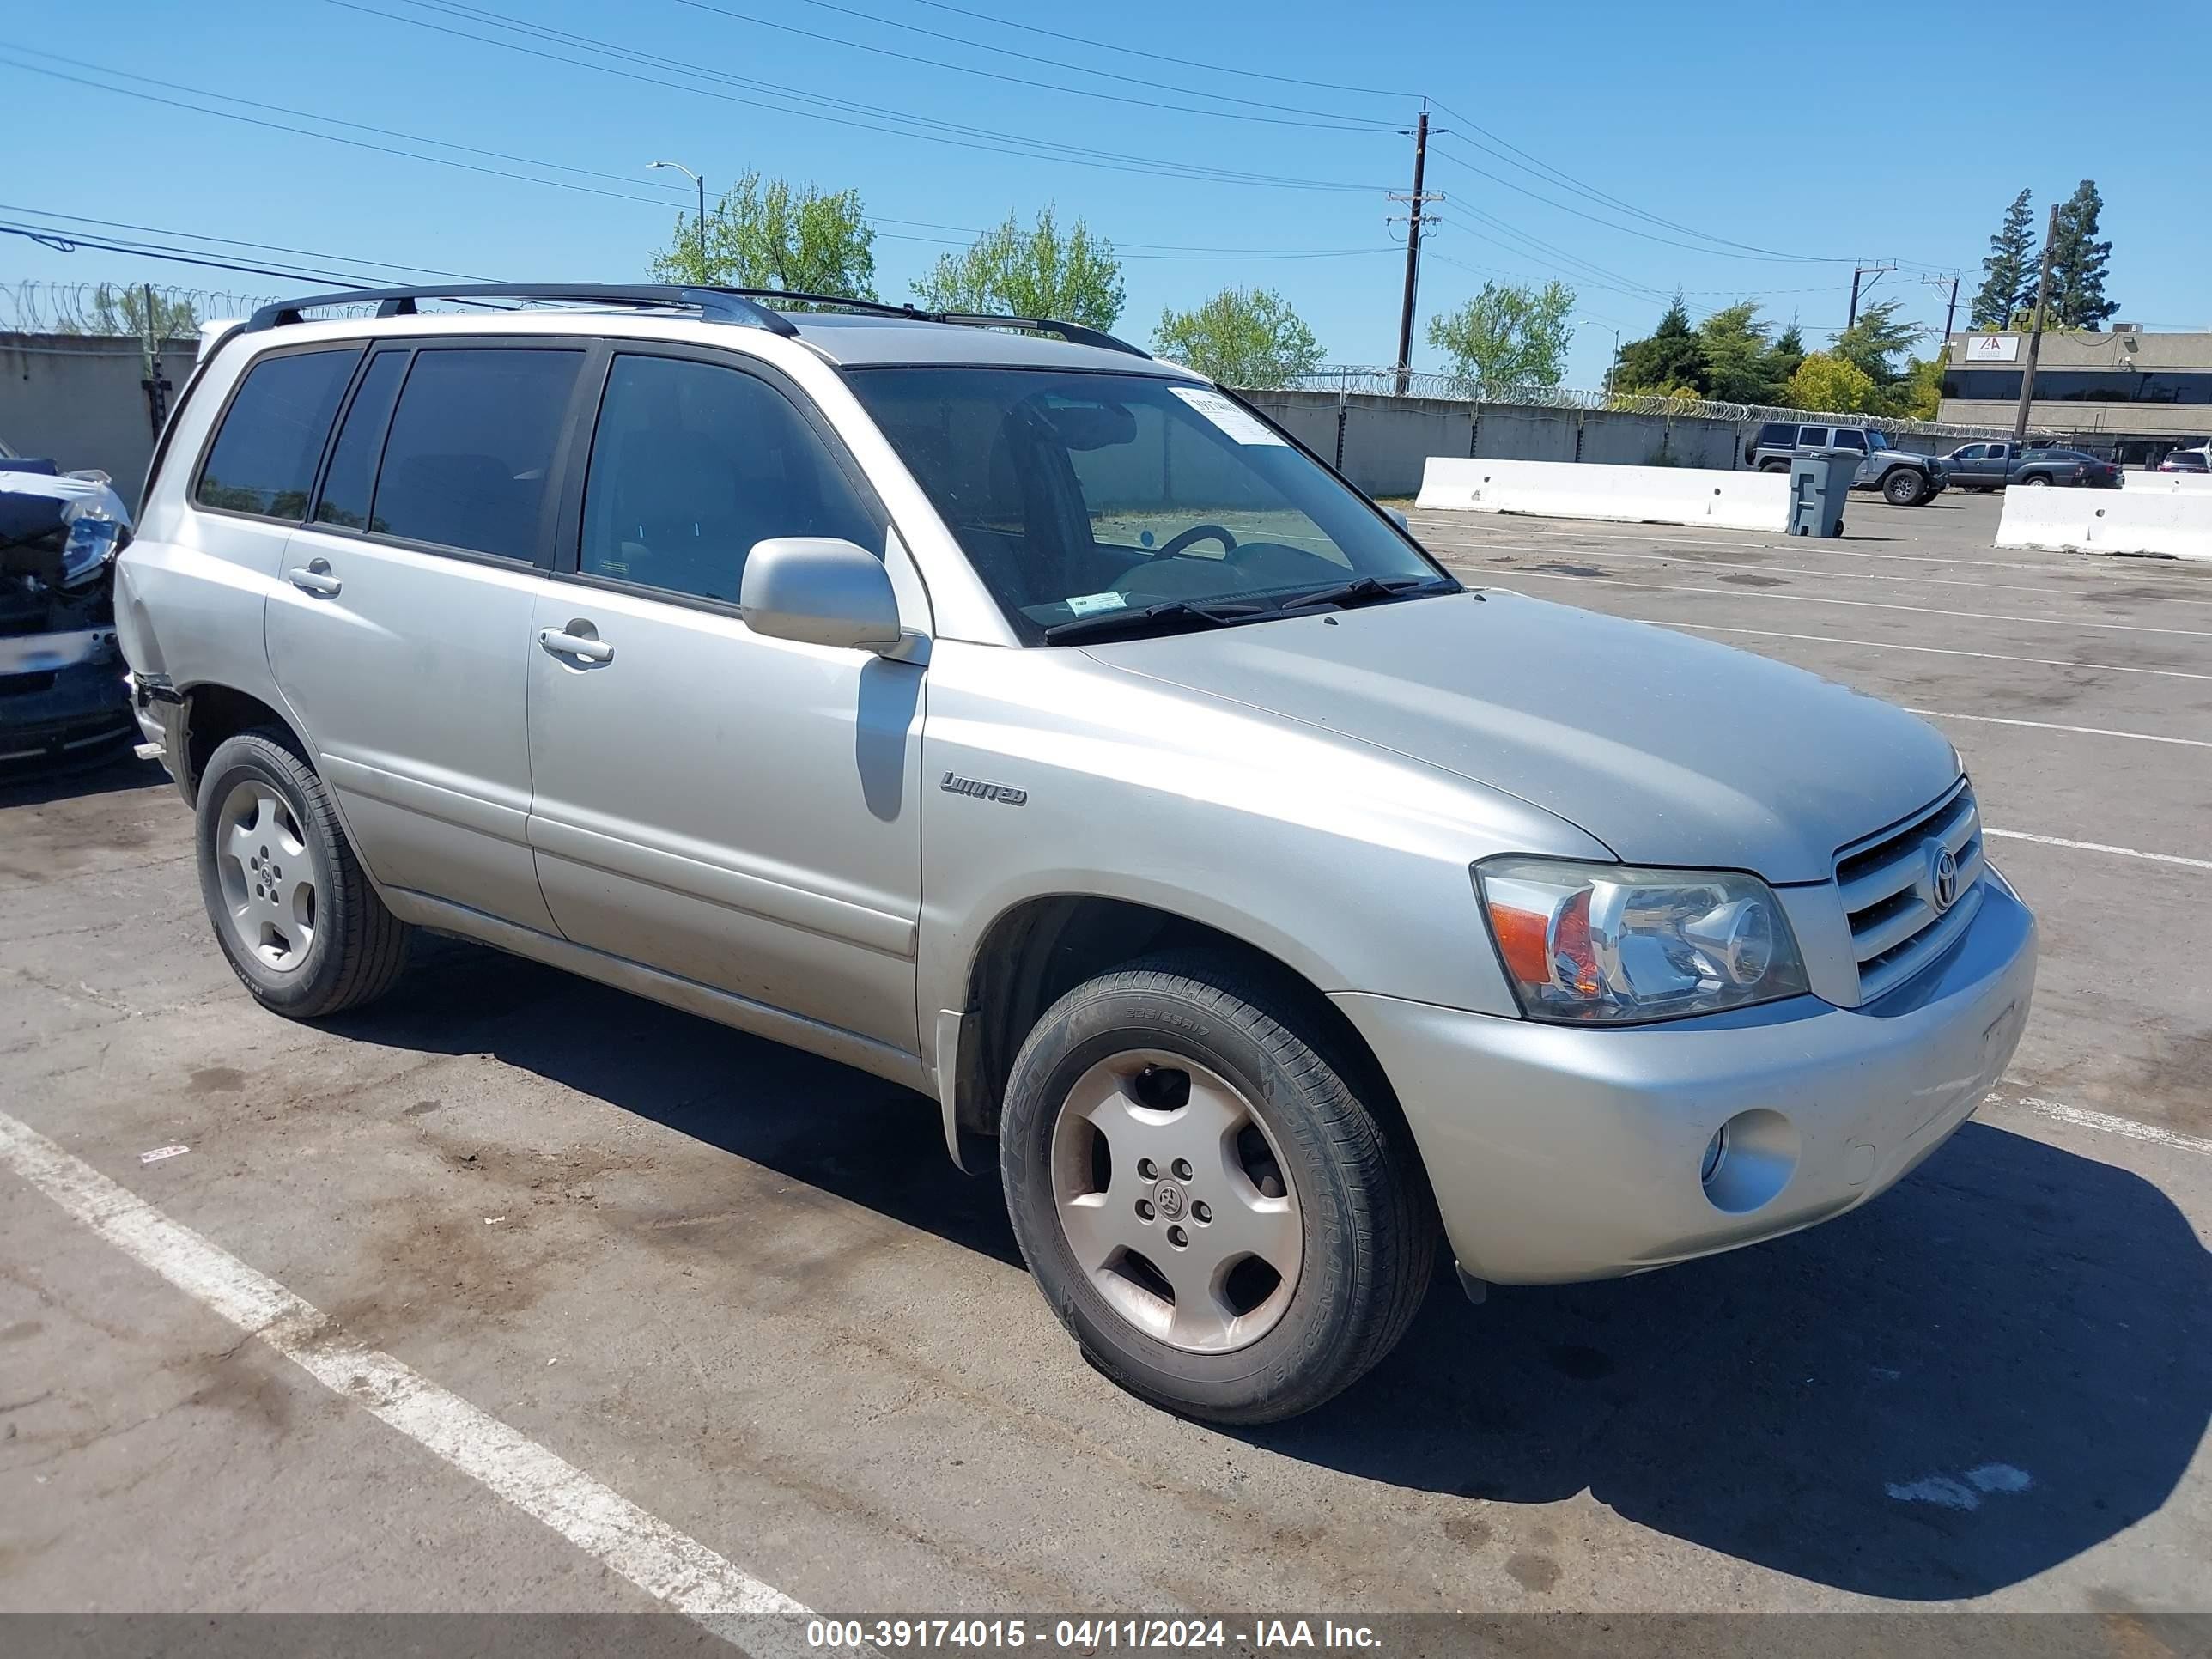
<point x="701" y="183"/>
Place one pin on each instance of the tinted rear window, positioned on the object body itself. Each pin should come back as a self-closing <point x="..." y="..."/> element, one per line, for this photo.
<point x="353" y="462"/>
<point x="263" y="460"/>
<point x="1775" y="433"/>
<point x="470" y="455"/>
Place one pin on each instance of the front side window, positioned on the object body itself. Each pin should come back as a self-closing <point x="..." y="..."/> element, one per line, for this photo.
<point x="1077" y="495"/>
<point x="470" y="455"/>
<point x="263" y="461"/>
<point x="1847" y="439"/>
<point x="692" y="464"/>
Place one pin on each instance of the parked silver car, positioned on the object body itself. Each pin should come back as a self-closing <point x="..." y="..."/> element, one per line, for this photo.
<point x="1035" y="724"/>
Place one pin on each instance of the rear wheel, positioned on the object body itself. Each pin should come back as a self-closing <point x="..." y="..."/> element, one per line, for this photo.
<point x="2037" y="481"/>
<point x="1774" y="467"/>
<point x="1903" y="487"/>
<point x="1226" y="1226"/>
<point x="291" y="907"/>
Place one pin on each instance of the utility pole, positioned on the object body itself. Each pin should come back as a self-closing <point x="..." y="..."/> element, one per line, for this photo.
<point x="1951" y="307"/>
<point x="2035" y="332"/>
<point x="1876" y="271"/>
<point x="1414" y="220"/>
<point x="156" y="386"/>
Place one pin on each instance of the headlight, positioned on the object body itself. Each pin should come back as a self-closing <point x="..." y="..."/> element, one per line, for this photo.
<point x="1596" y="943"/>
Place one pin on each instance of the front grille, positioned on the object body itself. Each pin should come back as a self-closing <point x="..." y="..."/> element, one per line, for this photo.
<point x="1887" y="887"/>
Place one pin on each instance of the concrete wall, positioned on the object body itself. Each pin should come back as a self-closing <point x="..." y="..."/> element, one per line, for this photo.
<point x="1388" y="440"/>
<point x="78" y="398"/>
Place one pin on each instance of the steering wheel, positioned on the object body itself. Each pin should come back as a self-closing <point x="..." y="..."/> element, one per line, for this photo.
<point x="1198" y="533"/>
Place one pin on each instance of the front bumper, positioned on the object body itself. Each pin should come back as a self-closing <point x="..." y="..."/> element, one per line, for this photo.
<point x="1564" y="1153"/>
<point x="57" y="713"/>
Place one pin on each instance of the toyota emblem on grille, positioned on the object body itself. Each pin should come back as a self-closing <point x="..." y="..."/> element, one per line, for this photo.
<point x="1942" y="877"/>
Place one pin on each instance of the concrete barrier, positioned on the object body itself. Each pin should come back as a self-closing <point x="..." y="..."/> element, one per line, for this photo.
<point x="2166" y="484"/>
<point x="1632" y="495"/>
<point x="2128" y="520"/>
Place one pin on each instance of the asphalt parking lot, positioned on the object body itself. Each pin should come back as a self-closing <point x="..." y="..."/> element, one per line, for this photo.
<point x="743" y="1288"/>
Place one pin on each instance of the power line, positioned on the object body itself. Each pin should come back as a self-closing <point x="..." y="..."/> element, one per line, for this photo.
<point x="981" y="138"/>
<point x="71" y="242"/>
<point x="1632" y="230"/>
<point x="1127" y="51"/>
<point x="1325" y="122"/>
<point x="233" y="242"/>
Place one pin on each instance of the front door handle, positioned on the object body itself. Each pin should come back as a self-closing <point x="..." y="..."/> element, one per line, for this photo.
<point x="314" y="577"/>
<point x="579" y="640"/>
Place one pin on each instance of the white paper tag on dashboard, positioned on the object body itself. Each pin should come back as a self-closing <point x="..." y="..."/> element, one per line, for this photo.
<point x="1090" y="604"/>
<point x="1236" y="422"/>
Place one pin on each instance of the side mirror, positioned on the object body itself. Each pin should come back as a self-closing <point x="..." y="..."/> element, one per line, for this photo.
<point x="820" y="590"/>
<point x="1398" y="519"/>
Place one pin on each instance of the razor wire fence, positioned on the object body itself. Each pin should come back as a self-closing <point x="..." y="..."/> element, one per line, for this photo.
<point x="1372" y="381"/>
<point x="111" y="309"/>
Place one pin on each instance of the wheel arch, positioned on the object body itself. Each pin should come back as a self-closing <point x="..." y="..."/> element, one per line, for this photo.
<point x="1039" y="948"/>
<point x="214" y="713"/>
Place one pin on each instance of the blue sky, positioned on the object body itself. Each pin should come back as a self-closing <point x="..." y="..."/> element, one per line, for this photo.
<point x="1597" y="121"/>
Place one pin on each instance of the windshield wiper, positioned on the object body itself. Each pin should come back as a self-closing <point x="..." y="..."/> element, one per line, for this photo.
<point x="1367" y="590"/>
<point x="1169" y="613"/>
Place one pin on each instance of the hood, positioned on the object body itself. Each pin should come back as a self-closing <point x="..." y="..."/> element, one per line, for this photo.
<point x="1669" y="749"/>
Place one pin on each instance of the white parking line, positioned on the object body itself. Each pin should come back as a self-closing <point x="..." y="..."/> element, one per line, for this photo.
<point x="2048" y="725"/>
<point x="1860" y="605"/>
<point x="2100" y="847"/>
<point x="2082" y="1118"/>
<point x="1692" y="562"/>
<point x="667" y="1565"/>
<point x="1930" y="650"/>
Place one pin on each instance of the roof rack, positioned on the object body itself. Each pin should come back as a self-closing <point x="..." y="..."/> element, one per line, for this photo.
<point x="720" y="305"/>
<point x="1074" y="333"/>
<point x="750" y="306"/>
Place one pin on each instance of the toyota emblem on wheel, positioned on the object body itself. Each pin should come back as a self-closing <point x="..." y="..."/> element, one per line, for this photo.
<point x="1942" y="877"/>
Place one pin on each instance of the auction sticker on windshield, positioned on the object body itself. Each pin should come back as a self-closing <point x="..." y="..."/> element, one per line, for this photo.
<point x="1236" y="422"/>
<point x="1088" y="605"/>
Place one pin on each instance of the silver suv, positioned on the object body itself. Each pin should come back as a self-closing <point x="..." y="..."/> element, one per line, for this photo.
<point x="986" y="705"/>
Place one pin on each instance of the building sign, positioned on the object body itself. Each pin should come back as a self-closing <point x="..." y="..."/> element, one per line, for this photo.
<point x="1993" y="347"/>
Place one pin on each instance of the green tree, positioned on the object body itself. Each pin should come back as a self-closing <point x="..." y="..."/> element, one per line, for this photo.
<point x="1918" y="394"/>
<point x="766" y="234"/>
<point x="1871" y="343"/>
<point x="2009" y="272"/>
<point x="1508" y="335"/>
<point x="1672" y="358"/>
<point x="1037" y="272"/>
<point x="1241" y="337"/>
<point x="2078" y="260"/>
<point x="1831" y="384"/>
<point x="1742" y="366"/>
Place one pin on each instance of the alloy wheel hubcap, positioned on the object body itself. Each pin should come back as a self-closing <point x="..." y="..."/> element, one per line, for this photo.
<point x="268" y="880"/>
<point x="1176" y="1201"/>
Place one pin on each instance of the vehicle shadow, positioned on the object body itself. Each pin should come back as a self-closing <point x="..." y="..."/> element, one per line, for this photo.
<point x="34" y="783"/>
<point x="1999" y="1364"/>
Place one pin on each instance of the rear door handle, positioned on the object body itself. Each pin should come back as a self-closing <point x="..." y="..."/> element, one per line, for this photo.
<point x="314" y="577"/>
<point x="586" y="648"/>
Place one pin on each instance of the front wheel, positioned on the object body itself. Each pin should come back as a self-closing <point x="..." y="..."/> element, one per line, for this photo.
<point x="1905" y="487"/>
<point x="292" y="908"/>
<point x="1224" y="1223"/>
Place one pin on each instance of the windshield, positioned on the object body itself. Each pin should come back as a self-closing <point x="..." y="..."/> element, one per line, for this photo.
<point x="1081" y="496"/>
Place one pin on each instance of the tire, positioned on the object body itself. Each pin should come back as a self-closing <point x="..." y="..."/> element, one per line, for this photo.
<point x="1902" y="487"/>
<point x="309" y="943"/>
<point x="1349" y="1200"/>
<point x="2037" y="481"/>
<point x="1774" y="467"/>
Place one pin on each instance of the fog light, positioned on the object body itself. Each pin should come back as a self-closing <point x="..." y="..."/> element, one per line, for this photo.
<point x="1749" y="1160"/>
